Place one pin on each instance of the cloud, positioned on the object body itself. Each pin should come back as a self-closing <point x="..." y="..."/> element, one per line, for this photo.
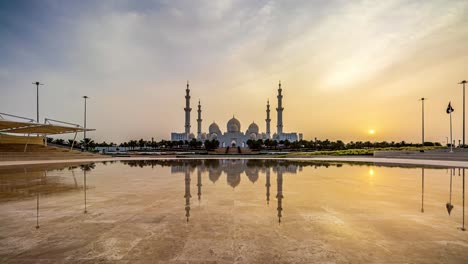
<point x="133" y="58"/>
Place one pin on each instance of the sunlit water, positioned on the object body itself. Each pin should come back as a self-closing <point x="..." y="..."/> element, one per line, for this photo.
<point x="231" y="211"/>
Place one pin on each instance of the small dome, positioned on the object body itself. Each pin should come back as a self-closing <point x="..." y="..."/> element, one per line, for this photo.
<point x="192" y="136"/>
<point x="233" y="125"/>
<point x="253" y="128"/>
<point x="214" y="128"/>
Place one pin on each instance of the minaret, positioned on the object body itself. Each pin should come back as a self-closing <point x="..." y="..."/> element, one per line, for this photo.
<point x="279" y="194"/>
<point x="187" y="110"/>
<point x="187" y="195"/>
<point x="268" y="120"/>
<point x="280" y="109"/>
<point x="199" y="120"/>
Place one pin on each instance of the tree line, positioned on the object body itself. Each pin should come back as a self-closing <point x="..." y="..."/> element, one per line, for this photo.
<point x="268" y="144"/>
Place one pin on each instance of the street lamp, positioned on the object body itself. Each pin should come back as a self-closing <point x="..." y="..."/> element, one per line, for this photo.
<point x="84" y="138"/>
<point x="422" y="100"/>
<point x="463" y="82"/>
<point x="37" y="98"/>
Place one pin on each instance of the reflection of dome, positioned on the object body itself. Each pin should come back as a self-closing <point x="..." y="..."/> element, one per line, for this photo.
<point x="233" y="125"/>
<point x="253" y="128"/>
<point x="214" y="128"/>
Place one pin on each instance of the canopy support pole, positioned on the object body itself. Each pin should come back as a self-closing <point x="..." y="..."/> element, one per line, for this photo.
<point x="26" y="145"/>
<point x="73" y="143"/>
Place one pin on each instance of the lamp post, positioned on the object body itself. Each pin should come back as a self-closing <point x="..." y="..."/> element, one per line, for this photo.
<point x="84" y="138"/>
<point x="463" y="83"/>
<point x="422" y="100"/>
<point x="37" y="98"/>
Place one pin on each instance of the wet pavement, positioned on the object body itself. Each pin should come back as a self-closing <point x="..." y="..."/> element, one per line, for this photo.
<point x="231" y="211"/>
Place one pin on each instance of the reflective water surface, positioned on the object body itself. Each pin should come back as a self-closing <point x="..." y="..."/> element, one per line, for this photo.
<point x="231" y="211"/>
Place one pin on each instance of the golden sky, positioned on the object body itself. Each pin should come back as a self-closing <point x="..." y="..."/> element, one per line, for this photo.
<point x="345" y="66"/>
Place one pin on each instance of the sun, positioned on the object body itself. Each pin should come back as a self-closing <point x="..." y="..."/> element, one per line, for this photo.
<point x="371" y="131"/>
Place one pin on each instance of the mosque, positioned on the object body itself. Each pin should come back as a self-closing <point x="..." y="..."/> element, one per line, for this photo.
<point x="234" y="137"/>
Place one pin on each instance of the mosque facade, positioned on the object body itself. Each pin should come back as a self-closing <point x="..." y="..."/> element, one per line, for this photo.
<point x="234" y="137"/>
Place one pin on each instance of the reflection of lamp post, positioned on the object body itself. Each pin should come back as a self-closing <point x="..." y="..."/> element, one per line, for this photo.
<point x="85" y="208"/>
<point x="37" y="210"/>
<point x="422" y="190"/>
<point x="463" y="199"/>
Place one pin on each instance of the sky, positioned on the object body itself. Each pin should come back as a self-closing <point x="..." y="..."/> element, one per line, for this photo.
<point x="345" y="66"/>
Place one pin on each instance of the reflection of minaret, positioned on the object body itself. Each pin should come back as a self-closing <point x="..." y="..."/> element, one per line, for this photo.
<point x="268" y="185"/>
<point x="279" y="195"/>
<point x="187" y="110"/>
<point x="187" y="194"/>
<point x="199" y="184"/>
<point x="199" y="120"/>
<point x="422" y="190"/>
<point x="449" y="205"/>
<point x="268" y="120"/>
<point x="280" y="109"/>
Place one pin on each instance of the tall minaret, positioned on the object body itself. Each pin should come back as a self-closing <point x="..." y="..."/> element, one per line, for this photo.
<point x="268" y="120"/>
<point x="199" y="120"/>
<point x="187" y="110"/>
<point x="280" y="109"/>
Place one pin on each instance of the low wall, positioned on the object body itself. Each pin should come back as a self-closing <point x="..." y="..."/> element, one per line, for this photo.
<point x="32" y="140"/>
<point x="391" y="153"/>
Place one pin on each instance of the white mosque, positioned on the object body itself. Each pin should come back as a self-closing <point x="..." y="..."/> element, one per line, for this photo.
<point x="234" y="137"/>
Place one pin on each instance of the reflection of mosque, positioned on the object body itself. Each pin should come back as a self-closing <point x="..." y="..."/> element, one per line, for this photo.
<point x="233" y="169"/>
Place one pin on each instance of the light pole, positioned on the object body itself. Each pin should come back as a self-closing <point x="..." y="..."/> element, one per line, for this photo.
<point x="84" y="138"/>
<point x="37" y="98"/>
<point x="463" y="82"/>
<point x="422" y="100"/>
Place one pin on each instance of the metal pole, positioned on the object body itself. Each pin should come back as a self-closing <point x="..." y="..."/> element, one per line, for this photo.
<point x="463" y="113"/>
<point x="37" y="99"/>
<point x="84" y="139"/>
<point x="451" y="142"/>
<point x="422" y="99"/>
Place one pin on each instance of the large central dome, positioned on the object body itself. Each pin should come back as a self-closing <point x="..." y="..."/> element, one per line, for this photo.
<point x="233" y="125"/>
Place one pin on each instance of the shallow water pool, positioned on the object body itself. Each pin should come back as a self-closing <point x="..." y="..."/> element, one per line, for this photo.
<point x="231" y="211"/>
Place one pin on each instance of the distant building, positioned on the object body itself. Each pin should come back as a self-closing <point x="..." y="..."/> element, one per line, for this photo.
<point x="234" y="137"/>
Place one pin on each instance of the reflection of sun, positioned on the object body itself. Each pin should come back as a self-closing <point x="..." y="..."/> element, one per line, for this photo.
<point x="371" y="131"/>
<point x="371" y="172"/>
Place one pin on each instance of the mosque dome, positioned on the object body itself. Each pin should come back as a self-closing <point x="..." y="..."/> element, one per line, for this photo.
<point x="253" y="128"/>
<point x="214" y="128"/>
<point x="233" y="125"/>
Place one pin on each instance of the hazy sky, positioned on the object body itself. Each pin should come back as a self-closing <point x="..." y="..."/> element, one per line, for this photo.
<point x="346" y="66"/>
